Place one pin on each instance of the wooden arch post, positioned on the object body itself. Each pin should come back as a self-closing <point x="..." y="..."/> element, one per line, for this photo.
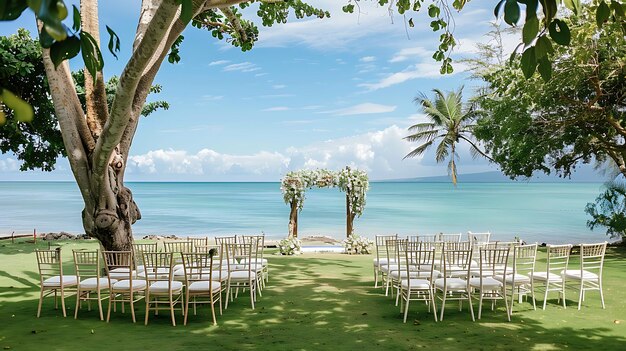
<point x="349" y="214"/>
<point x="293" y="219"/>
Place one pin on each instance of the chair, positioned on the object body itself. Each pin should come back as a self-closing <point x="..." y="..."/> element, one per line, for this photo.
<point x="454" y="285"/>
<point x="449" y="237"/>
<point x="241" y="276"/>
<point x="551" y="278"/>
<point x="139" y="249"/>
<point x="200" y="283"/>
<point x="198" y="241"/>
<point x="492" y="263"/>
<point x="522" y="269"/>
<point x="393" y="262"/>
<point x="589" y="276"/>
<point x="260" y="260"/>
<point x="124" y="286"/>
<point x="381" y="258"/>
<point x="178" y="247"/>
<point x="457" y="245"/>
<point x="418" y="285"/>
<point x="162" y="289"/>
<point x="478" y="238"/>
<point x="51" y="278"/>
<point x="87" y="266"/>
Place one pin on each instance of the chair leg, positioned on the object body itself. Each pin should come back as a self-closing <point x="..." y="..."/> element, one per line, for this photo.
<point x="132" y="308"/>
<point x="532" y="293"/>
<point x="111" y="294"/>
<point x="100" y="305"/>
<point x="469" y="302"/>
<point x="406" y="308"/>
<point x="431" y="293"/>
<point x="480" y="304"/>
<point x="227" y="296"/>
<point x="563" y="292"/>
<point x="187" y="308"/>
<point x="581" y="294"/>
<point x="443" y="304"/>
<point x="213" y="310"/>
<point x="375" y="277"/>
<point x="545" y="295"/>
<point x="251" y="294"/>
<point x="506" y="304"/>
<point x="601" y="293"/>
<point x="77" y="304"/>
<point x="63" y="302"/>
<point x="172" y="310"/>
<point x="40" y="302"/>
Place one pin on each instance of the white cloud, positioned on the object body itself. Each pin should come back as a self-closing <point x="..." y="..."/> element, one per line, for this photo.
<point x="407" y="53"/>
<point x="212" y="97"/>
<point x="420" y="70"/>
<point x="219" y="62"/>
<point x="362" y="109"/>
<point x="279" y="86"/>
<point x="367" y="59"/>
<point x="276" y="108"/>
<point x="9" y="165"/>
<point x="241" y="67"/>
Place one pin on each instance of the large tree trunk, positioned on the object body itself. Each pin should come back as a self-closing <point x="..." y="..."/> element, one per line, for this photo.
<point x="293" y="220"/>
<point x="349" y="217"/>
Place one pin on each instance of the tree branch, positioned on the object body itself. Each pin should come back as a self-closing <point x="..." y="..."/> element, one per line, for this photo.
<point x="95" y="94"/>
<point x="234" y="22"/>
<point x="121" y="111"/>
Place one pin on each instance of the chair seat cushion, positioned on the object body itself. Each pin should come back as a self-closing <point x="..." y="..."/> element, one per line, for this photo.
<point x="201" y="286"/>
<point x="576" y="274"/>
<point x="383" y="261"/>
<point x="488" y="283"/>
<point x="242" y="275"/>
<point x="543" y="276"/>
<point x="92" y="283"/>
<point x="413" y="274"/>
<point x="68" y="280"/>
<point x="164" y="286"/>
<point x="261" y="261"/>
<point x="453" y="283"/>
<point x="416" y="284"/>
<point x="122" y="274"/>
<point x="519" y="278"/>
<point x="124" y="285"/>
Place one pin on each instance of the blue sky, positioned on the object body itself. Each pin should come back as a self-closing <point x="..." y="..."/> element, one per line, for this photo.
<point x="312" y="93"/>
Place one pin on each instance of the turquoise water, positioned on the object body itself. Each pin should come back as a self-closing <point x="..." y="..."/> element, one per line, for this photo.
<point x="543" y="212"/>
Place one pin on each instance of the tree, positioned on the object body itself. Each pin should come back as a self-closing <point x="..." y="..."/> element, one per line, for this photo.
<point x="609" y="210"/>
<point x="578" y="115"/>
<point x="450" y="122"/>
<point x="98" y="138"/>
<point x="39" y="143"/>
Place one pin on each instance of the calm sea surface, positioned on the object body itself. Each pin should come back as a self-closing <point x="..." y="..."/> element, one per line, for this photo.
<point x="543" y="212"/>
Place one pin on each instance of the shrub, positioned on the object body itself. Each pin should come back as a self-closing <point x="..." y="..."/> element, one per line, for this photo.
<point x="290" y="246"/>
<point x="357" y="244"/>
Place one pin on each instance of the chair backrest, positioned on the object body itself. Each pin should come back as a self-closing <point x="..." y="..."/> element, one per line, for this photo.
<point x="558" y="258"/>
<point x="460" y="245"/>
<point x="260" y="242"/>
<point x="509" y="244"/>
<point x="87" y="264"/>
<point x="524" y="259"/>
<point x="424" y="259"/>
<point x="456" y="262"/>
<point x="493" y="261"/>
<point x="221" y="240"/>
<point x="139" y="249"/>
<point x="592" y="257"/>
<point x="479" y="238"/>
<point x="244" y="252"/>
<point x="121" y="261"/>
<point x="392" y="250"/>
<point x="449" y="237"/>
<point x="198" y="241"/>
<point x="159" y="266"/>
<point x="179" y="246"/>
<point x="198" y="267"/>
<point x="381" y="245"/>
<point x="49" y="263"/>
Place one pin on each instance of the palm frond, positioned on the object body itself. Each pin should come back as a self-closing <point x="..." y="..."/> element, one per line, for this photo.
<point x="442" y="149"/>
<point x="422" y="126"/>
<point x="419" y="150"/>
<point x="427" y="135"/>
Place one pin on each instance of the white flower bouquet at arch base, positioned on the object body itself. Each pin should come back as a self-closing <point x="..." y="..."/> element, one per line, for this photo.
<point x="290" y="246"/>
<point x="356" y="244"/>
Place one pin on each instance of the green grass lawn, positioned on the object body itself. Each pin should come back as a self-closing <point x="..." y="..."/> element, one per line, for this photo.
<point x="313" y="302"/>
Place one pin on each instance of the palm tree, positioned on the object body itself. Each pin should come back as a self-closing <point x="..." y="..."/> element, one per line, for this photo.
<point x="449" y="123"/>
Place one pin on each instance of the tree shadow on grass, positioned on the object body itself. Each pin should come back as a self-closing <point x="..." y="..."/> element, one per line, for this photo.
<point x="312" y="304"/>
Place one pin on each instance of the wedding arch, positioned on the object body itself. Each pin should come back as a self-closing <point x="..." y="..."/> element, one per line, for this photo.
<point x="353" y="182"/>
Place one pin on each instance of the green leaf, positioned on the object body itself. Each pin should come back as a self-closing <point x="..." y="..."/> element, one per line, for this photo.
<point x="543" y="47"/>
<point x="186" y="11"/>
<point x="511" y="12"/>
<point x="531" y="28"/>
<point x="64" y="50"/>
<point x="11" y="10"/>
<point x="76" y="19"/>
<point x="23" y="110"/>
<point x="573" y="5"/>
<point x="545" y="69"/>
<point x="602" y="13"/>
<point x="496" y="10"/>
<point x="433" y="11"/>
<point x="45" y="39"/>
<point x="529" y="62"/>
<point x="91" y="54"/>
<point x="531" y="8"/>
<point x="549" y="9"/>
<point x="559" y="32"/>
<point x="114" y="42"/>
<point x="411" y="24"/>
<point x="618" y="9"/>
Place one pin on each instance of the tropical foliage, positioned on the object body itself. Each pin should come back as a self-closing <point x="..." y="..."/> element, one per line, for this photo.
<point x="609" y="210"/>
<point x="449" y="123"/>
<point x="578" y="115"/>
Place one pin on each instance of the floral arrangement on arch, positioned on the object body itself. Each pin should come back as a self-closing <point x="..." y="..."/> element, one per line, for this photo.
<point x="355" y="183"/>
<point x="357" y="244"/>
<point x="290" y="246"/>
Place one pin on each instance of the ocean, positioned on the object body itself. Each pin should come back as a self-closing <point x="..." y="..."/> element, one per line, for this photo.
<point x="541" y="212"/>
